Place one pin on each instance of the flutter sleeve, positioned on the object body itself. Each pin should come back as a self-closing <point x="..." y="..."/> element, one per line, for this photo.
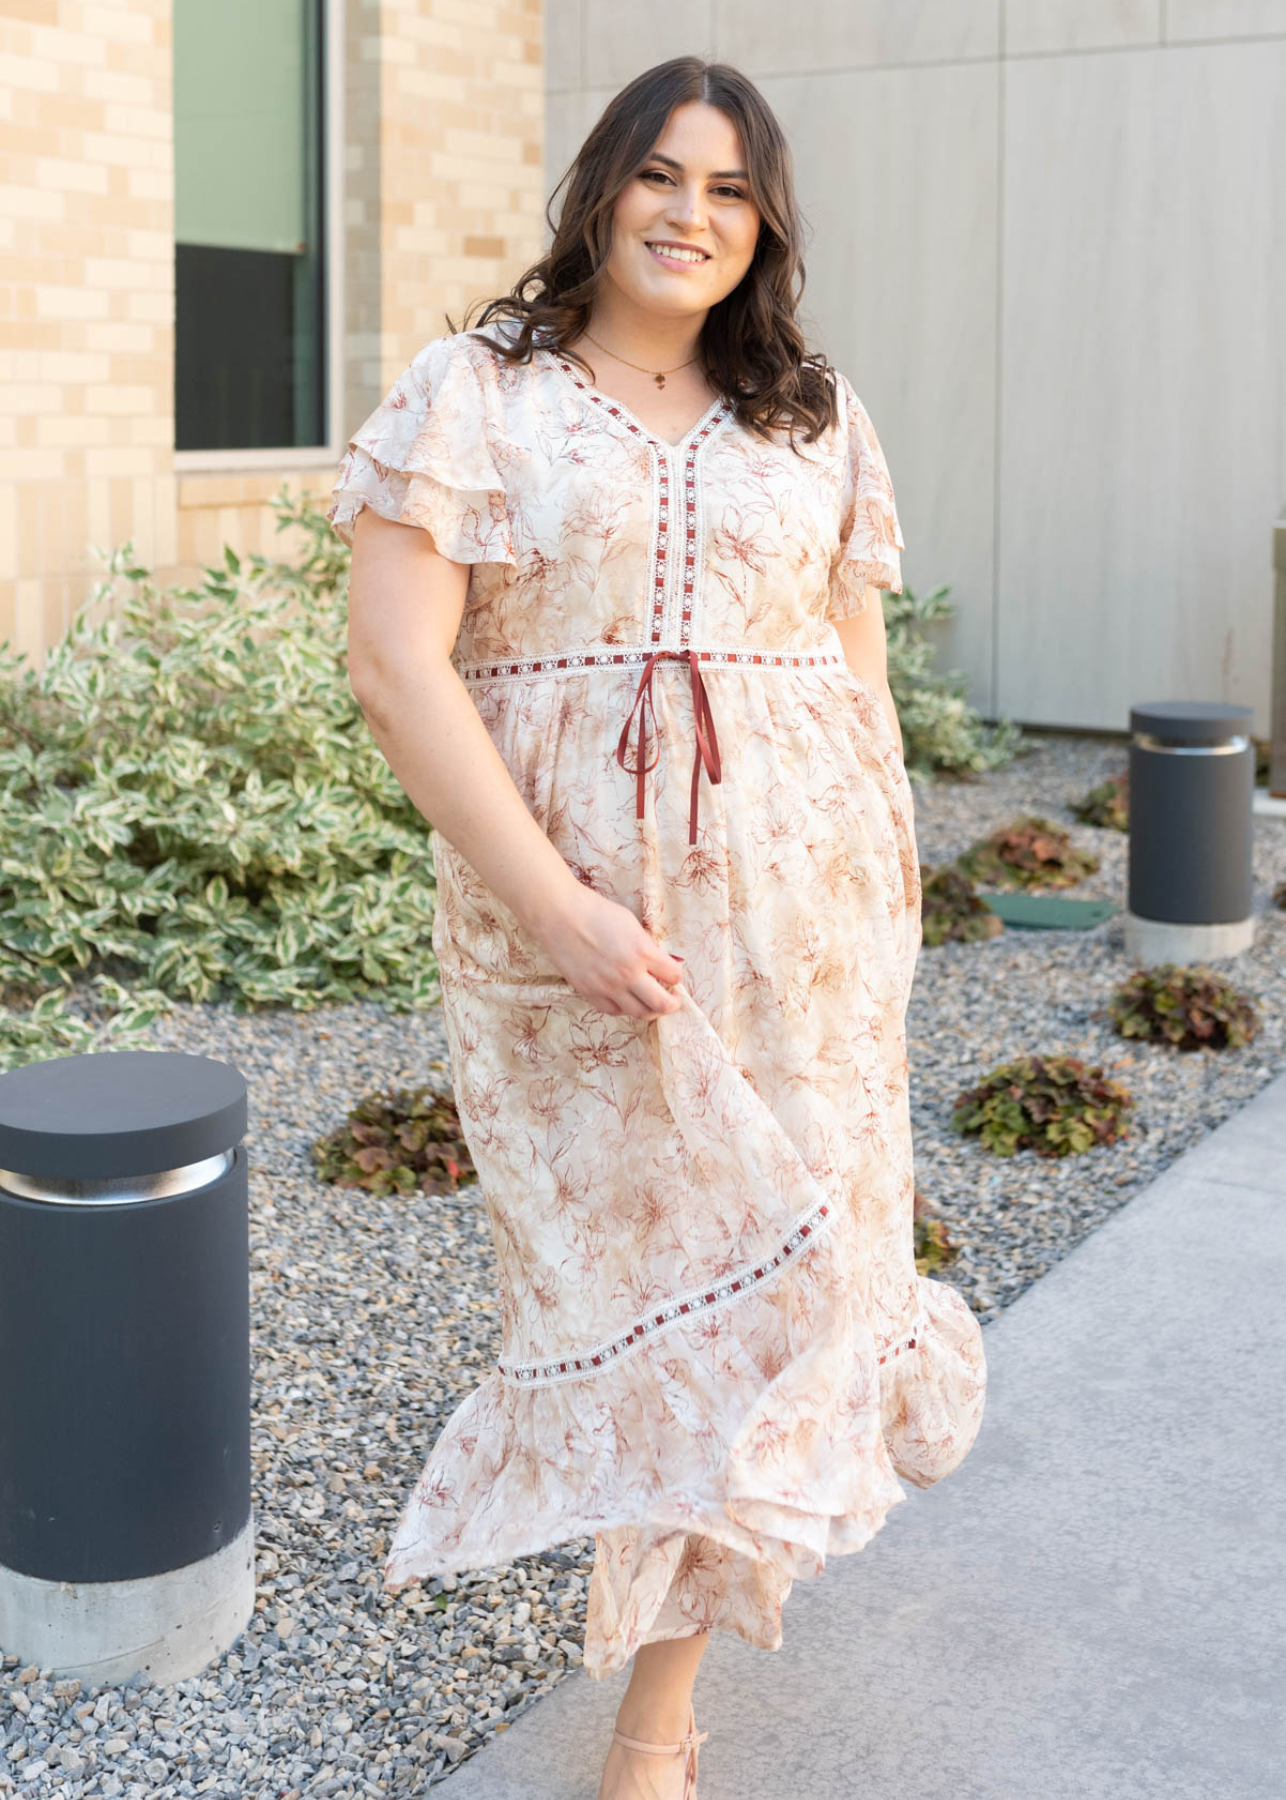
<point x="427" y="456"/>
<point x="870" y="536"/>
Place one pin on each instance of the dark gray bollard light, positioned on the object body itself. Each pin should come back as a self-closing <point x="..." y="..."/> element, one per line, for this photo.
<point x="1192" y="791"/>
<point x="126" y="1532"/>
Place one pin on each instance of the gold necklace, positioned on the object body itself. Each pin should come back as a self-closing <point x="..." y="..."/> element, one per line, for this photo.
<point x="658" y="375"/>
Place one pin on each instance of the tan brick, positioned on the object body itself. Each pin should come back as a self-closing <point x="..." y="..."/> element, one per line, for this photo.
<point x="128" y="86"/>
<point x="35" y="12"/>
<point x="29" y="74"/>
<point x="484" y="246"/>
<point x="67" y="112"/>
<point x="130" y="22"/>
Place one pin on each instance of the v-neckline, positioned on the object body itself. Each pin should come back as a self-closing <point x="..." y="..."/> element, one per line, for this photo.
<point x="609" y="400"/>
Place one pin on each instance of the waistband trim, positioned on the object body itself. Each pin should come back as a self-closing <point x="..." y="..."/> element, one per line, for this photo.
<point x="573" y="661"/>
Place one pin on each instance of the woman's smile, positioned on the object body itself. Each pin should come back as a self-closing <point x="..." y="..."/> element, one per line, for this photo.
<point x="671" y="256"/>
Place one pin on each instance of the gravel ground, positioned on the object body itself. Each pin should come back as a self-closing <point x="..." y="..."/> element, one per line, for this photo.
<point x="372" y="1320"/>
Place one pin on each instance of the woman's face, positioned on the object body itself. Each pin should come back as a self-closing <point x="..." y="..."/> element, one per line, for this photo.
<point x="691" y="191"/>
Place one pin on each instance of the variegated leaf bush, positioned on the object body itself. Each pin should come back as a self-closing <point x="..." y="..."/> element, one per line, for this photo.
<point x="192" y="807"/>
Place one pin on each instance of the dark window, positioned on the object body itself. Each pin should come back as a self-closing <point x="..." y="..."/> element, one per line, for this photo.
<point x="249" y="334"/>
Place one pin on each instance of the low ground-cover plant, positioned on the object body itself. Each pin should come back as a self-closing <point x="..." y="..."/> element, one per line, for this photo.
<point x="1029" y="852"/>
<point x="934" y="1244"/>
<point x="1055" y="1105"/>
<point x="401" y="1141"/>
<point x="1189" y="1008"/>
<point x="952" y="910"/>
<point x="191" y="798"/>
<point x="1107" y="805"/>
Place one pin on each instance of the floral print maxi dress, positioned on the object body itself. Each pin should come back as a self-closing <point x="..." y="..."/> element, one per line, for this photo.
<point x="717" y="1355"/>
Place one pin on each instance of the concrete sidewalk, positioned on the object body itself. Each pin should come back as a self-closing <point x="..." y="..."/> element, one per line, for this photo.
<point x="1093" y="1607"/>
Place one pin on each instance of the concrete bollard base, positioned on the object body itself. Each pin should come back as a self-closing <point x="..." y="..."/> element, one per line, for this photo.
<point x="1152" y="941"/>
<point x="167" y="1626"/>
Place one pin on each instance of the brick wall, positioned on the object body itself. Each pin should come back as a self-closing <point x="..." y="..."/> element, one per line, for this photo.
<point x="443" y="202"/>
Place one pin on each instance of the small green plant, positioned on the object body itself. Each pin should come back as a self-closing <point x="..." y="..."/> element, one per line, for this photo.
<point x="1191" y="1008"/>
<point x="1279" y="895"/>
<point x="942" y="735"/>
<point x="1107" y="805"/>
<point x="934" y="1244"/>
<point x="1054" y="1105"/>
<point x="401" y="1141"/>
<point x="1263" y="758"/>
<point x="1029" y="852"/>
<point x="951" y="909"/>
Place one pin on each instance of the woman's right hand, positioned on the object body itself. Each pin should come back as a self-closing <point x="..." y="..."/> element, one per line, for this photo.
<point x="611" y="959"/>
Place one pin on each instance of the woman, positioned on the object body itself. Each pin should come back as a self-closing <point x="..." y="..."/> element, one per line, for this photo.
<point x="615" y="626"/>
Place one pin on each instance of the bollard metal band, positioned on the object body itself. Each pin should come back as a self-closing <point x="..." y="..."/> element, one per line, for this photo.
<point x="118" y="1190"/>
<point x="1146" y="740"/>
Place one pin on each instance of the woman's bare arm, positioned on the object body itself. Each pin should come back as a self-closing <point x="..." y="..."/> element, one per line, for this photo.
<point x="866" y="651"/>
<point x="405" y="607"/>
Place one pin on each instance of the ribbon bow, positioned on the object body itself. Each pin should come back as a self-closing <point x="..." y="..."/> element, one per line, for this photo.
<point x="707" y="743"/>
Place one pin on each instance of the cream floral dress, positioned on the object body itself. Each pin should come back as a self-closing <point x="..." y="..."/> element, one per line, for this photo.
<point x="716" y="1352"/>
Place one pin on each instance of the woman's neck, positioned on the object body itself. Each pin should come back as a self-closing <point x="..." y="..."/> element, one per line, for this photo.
<point x="640" y="339"/>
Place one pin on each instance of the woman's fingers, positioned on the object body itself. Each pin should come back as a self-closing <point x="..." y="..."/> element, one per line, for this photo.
<point x="666" y="966"/>
<point x="655" y="996"/>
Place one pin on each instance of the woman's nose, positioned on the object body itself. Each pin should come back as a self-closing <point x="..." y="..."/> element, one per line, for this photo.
<point x="687" y="209"/>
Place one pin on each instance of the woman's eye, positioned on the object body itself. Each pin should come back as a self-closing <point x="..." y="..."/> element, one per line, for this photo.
<point x="732" y="192"/>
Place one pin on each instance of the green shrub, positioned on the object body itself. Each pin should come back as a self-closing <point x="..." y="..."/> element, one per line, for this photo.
<point x="1188" y="1008"/>
<point x="404" y="1141"/>
<point x="1107" y="805"/>
<point x="191" y="797"/>
<point x="1054" y="1105"/>
<point x="941" y="733"/>
<point x="951" y="909"/>
<point x="1030" y="852"/>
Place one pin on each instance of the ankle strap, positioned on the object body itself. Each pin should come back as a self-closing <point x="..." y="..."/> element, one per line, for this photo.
<point x="688" y="1742"/>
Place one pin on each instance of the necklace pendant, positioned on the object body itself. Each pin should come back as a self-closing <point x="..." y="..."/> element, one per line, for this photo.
<point x="660" y="380"/>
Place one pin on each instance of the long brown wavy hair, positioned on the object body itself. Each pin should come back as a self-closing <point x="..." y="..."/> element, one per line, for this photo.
<point x="750" y="344"/>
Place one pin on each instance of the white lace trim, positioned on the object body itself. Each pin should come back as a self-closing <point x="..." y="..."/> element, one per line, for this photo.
<point x="546" y="1371"/>
<point x="571" y="661"/>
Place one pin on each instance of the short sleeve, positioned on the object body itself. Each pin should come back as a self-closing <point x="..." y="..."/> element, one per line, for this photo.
<point x="427" y="456"/>
<point x="870" y="536"/>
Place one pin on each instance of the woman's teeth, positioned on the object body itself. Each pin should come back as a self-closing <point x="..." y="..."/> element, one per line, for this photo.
<point x="676" y="256"/>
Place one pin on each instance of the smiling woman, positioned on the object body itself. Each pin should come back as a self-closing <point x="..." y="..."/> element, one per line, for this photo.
<point x="613" y="647"/>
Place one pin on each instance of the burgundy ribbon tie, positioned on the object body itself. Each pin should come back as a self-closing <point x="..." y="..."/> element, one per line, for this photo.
<point x="707" y="751"/>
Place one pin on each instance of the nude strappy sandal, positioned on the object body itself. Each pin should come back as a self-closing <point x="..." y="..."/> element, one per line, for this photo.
<point x="687" y="1744"/>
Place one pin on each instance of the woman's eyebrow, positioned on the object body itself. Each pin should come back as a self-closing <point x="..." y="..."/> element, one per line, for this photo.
<point x="715" y="174"/>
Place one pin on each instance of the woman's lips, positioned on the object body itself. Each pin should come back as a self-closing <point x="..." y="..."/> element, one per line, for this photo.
<point x="675" y="262"/>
